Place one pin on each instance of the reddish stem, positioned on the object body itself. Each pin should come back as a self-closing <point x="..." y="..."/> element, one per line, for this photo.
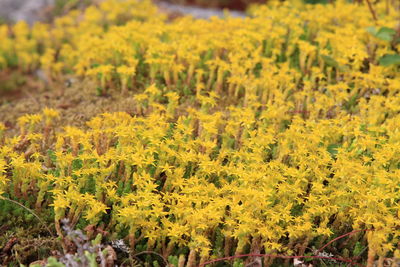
<point x="279" y="256"/>
<point x="340" y="237"/>
<point x="294" y="257"/>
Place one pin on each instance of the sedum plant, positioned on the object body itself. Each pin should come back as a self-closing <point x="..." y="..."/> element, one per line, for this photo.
<point x="268" y="134"/>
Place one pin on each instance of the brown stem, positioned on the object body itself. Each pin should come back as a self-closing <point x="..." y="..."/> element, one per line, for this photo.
<point x="268" y="261"/>
<point x="371" y="9"/>
<point x="303" y="246"/>
<point x="170" y="248"/>
<point x="203" y="259"/>
<point x="255" y="249"/>
<point x="60" y="235"/>
<point x="76" y="217"/>
<point x="227" y="246"/>
<point x="46" y="135"/>
<point x="387" y="7"/>
<point x="380" y="261"/>
<point x="192" y="258"/>
<point x="132" y="241"/>
<point x="371" y="257"/>
<point x="290" y="246"/>
<point x="181" y="262"/>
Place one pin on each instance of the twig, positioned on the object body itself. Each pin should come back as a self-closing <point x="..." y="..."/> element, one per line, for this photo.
<point x="372" y="10"/>
<point x="340" y="237"/>
<point x="31" y="211"/>
<point x="8" y="246"/>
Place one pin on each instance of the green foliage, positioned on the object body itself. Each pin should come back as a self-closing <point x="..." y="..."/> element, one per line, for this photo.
<point x="53" y="262"/>
<point x="388" y="60"/>
<point x="333" y="149"/>
<point x="330" y="61"/>
<point x="384" y="33"/>
<point x="358" y="249"/>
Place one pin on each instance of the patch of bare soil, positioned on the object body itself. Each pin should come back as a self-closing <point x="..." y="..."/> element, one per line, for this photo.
<point x="76" y="101"/>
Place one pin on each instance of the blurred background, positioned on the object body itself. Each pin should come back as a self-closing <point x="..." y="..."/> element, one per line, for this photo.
<point x="44" y="10"/>
<point x="231" y="4"/>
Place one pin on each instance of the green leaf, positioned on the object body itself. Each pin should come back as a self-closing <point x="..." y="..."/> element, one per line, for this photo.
<point x="333" y="149"/>
<point x="97" y="240"/>
<point x="296" y="210"/>
<point x="386" y="34"/>
<point x="388" y="60"/>
<point x="52" y="155"/>
<point x="330" y="61"/>
<point x="91" y="257"/>
<point x="372" y="30"/>
<point x="173" y="260"/>
<point x="358" y="249"/>
<point x="77" y="164"/>
<point x="52" y="262"/>
<point x="308" y="259"/>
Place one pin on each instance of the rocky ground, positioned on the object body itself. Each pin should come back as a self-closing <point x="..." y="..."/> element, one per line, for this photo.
<point x="198" y="12"/>
<point x="33" y="10"/>
<point x="28" y="10"/>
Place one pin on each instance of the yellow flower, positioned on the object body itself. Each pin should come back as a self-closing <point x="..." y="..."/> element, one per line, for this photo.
<point x="50" y="115"/>
<point x="95" y="208"/>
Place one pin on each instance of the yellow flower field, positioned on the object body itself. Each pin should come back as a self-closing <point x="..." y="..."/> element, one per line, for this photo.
<point x="270" y="134"/>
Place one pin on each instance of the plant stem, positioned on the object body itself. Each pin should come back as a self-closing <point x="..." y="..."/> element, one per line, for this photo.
<point x="372" y="10"/>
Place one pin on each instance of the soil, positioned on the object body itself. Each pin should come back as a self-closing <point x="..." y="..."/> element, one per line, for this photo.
<point x="76" y="101"/>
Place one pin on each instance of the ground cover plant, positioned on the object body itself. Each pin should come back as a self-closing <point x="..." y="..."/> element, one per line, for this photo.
<point x="270" y="134"/>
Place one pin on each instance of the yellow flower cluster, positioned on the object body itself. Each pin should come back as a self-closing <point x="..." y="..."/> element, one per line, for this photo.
<point x="271" y="131"/>
<point x="239" y="173"/>
<point x="122" y="44"/>
<point x="50" y="46"/>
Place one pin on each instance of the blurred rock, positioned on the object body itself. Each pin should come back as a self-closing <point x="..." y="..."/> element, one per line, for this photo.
<point x="198" y="12"/>
<point x="28" y="10"/>
<point x="33" y="10"/>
